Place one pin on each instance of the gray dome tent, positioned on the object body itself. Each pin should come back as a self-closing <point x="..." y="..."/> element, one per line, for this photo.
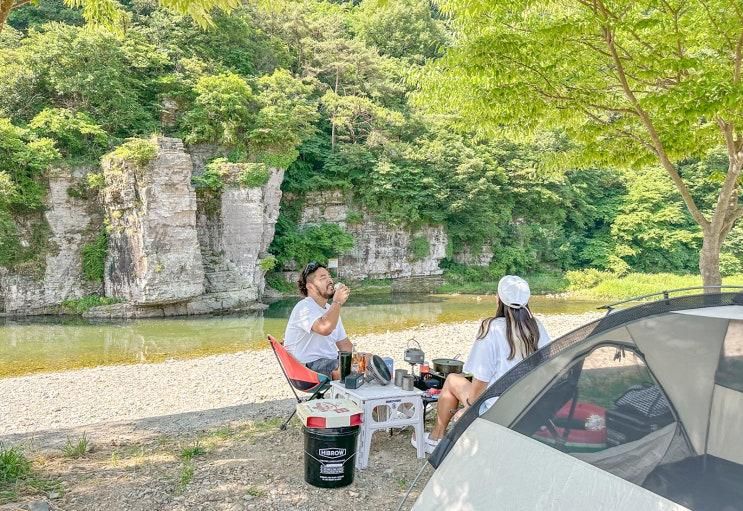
<point x="640" y="410"/>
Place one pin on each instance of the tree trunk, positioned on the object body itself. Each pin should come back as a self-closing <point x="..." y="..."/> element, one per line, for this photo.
<point x="709" y="262"/>
<point x="5" y="7"/>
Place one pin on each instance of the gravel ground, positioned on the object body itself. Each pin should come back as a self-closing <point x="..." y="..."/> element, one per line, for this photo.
<point x="138" y="418"/>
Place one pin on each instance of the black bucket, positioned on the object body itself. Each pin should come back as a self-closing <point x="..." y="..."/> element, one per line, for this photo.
<point x="330" y="456"/>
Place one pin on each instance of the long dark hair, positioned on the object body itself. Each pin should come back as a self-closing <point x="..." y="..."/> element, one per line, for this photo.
<point x="521" y="320"/>
<point x="308" y="270"/>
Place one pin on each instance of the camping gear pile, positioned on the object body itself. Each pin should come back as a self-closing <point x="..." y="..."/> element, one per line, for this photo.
<point x="639" y="410"/>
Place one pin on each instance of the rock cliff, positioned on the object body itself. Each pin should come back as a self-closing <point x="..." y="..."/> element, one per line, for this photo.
<point x="153" y="251"/>
<point x="72" y="223"/>
<point x="380" y="251"/>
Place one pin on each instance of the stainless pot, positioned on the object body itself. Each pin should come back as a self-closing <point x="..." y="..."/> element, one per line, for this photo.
<point x="414" y="355"/>
<point x="447" y="366"/>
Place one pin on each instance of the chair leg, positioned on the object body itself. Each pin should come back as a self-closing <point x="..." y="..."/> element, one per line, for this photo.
<point x="283" y="426"/>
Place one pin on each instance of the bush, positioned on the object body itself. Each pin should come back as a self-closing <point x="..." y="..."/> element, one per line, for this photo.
<point x="84" y="304"/>
<point x="75" y="132"/>
<point x="730" y="265"/>
<point x="136" y="150"/>
<point x="267" y="263"/>
<point x="586" y="279"/>
<point x="275" y="280"/>
<point x="94" y="257"/>
<point x="253" y="174"/>
<point x="223" y="111"/>
<point x="13" y="465"/>
<point x="419" y="248"/>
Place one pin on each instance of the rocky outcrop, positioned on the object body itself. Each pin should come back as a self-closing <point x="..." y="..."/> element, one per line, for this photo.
<point x="153" y="251"/>
<point x="466" y="256"/>
<point x="380" y="251"/>
<point x="72" y="224"/>
<point x="234" y="233"/>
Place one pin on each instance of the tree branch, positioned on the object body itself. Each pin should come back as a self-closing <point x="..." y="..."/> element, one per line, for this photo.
<point x="724" y="199"/>
<point x="654" y="137"/>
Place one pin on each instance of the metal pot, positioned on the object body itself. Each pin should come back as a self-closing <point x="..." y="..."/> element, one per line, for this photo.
<point x="447" y="366"/>
<point x="414" y="355"/>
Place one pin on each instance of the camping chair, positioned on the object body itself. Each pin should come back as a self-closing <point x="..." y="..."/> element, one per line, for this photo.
<point x="299" y="376"/>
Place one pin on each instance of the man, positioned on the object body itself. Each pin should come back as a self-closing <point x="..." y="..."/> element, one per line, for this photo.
<point x="315" y="331"/>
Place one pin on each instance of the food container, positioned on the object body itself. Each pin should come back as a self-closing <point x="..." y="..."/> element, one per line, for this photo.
<point x="447" y="366"/>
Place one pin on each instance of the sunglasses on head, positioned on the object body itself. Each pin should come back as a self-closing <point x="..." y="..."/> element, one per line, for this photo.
<point x="311" y="268"/>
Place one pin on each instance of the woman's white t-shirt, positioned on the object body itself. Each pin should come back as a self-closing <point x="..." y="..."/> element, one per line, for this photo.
<point x="488" y="359"/>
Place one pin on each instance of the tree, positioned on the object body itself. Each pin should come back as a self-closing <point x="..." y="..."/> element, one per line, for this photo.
<point x="109" y="13"/>
<point x="631" y="82"/>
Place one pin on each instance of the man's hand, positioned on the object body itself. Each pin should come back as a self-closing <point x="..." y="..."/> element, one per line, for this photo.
<point x="341" y="294"/>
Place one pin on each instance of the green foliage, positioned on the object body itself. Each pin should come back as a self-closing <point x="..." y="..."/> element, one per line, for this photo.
<point x="84" y="304"/>
<point x="354" y="217"/>
<point x="586" y="279"/>
<point x="419" y="248"/>
<point x="82" y="70"/>
<point x="267" y="263"/>
<point x="220" y="173"/>
<point x="94" y="257"/>
<point x="23" y="159"/>
<point x="317" y="242"/>
<point x="223" y="111"/>
<point x="138" y="151"/>
<point x="276" y="280"/>
<point x="190" y="452"/>
<point x="76" y="449"/>
<point x="75" y="132"/>
<point x="403" y="29"/>
<point x="13" y="465"/>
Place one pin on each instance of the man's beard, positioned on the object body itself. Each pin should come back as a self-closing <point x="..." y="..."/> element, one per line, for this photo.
<point x="328" y="292"/>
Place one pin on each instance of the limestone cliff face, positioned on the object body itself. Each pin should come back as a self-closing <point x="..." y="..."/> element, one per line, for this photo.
<point x="153" y="251"/>
<point x="380" y="251"/>
<point x="466" y="256"/>
<point x="234" y="231"/>
<point x="72" y="223"/>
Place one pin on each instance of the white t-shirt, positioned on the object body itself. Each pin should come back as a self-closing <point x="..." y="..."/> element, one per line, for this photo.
<point x="488" y="359"/>
<point x="302" y="342"/>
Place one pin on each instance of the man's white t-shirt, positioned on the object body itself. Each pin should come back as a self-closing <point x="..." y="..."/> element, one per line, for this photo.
<point x="488" y="358"/>
<point x="302" y="342"/>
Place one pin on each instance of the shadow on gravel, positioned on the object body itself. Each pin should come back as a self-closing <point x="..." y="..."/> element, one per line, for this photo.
<point x="147" y="429"/>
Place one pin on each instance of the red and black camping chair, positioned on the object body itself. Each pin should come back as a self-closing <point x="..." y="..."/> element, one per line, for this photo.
<point x="299" y="376"/>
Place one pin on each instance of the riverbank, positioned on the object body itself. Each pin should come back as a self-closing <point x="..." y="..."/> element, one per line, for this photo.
<point x="198" y="434"/>
<point x="190" y="393"/>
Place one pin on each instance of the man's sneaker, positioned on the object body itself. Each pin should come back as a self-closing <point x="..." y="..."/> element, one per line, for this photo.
<point x="429" y="445"/>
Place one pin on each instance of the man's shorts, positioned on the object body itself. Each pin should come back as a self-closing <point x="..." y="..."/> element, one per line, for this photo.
<point x="323" y="365"/>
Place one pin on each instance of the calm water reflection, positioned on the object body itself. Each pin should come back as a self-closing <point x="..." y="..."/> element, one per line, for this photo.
<point x="29" y="346"/>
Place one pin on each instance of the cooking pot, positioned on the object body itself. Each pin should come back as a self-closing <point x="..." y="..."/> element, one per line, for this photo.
<point x="447" y="366"/>
<point x="414" y="355"/>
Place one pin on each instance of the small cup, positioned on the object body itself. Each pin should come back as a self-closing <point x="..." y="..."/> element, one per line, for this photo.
<point x="407" y="382"/>
<point x="399" y="374"/>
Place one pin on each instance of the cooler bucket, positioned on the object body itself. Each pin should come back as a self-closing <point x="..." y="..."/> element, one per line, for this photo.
<point x="330" y="430"/>
<point x="329" y="456"/>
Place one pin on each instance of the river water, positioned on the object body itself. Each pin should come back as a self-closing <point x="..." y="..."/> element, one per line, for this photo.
<point x="63" y="343"/>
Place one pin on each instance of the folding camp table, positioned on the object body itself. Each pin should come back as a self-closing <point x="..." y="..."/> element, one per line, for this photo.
<point x="384" y="406"/>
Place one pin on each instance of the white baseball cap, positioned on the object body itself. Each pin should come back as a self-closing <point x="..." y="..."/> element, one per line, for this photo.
<point x="514" y="291"/>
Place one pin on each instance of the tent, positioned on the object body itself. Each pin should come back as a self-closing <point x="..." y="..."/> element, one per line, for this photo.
<point x="639" y="410"/>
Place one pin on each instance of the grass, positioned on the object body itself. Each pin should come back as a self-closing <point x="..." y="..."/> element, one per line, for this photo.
<point x="254" y="491"/>
<point x="76" y="449"/>
<point x="612" y="287"/>
<point x="13" y="465"/>
<point x="189" y="453"/>
<point x="480" y="281"/>
<point x="185" y="476"/>
<point x="84" y="304"/>
<point x="17" y="477"/>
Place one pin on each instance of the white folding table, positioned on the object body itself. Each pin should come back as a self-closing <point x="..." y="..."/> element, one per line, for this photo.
<point x="384" y="406"/>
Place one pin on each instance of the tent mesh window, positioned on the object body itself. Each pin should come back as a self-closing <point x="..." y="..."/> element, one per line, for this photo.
<point x="606" y="409"/>
<point x="730" y="369"/>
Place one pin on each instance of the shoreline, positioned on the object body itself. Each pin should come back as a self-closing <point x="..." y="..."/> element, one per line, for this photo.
<point x="184" y="395"/>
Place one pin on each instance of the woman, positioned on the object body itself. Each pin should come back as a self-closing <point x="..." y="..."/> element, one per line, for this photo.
<point x="502" y="342"/>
